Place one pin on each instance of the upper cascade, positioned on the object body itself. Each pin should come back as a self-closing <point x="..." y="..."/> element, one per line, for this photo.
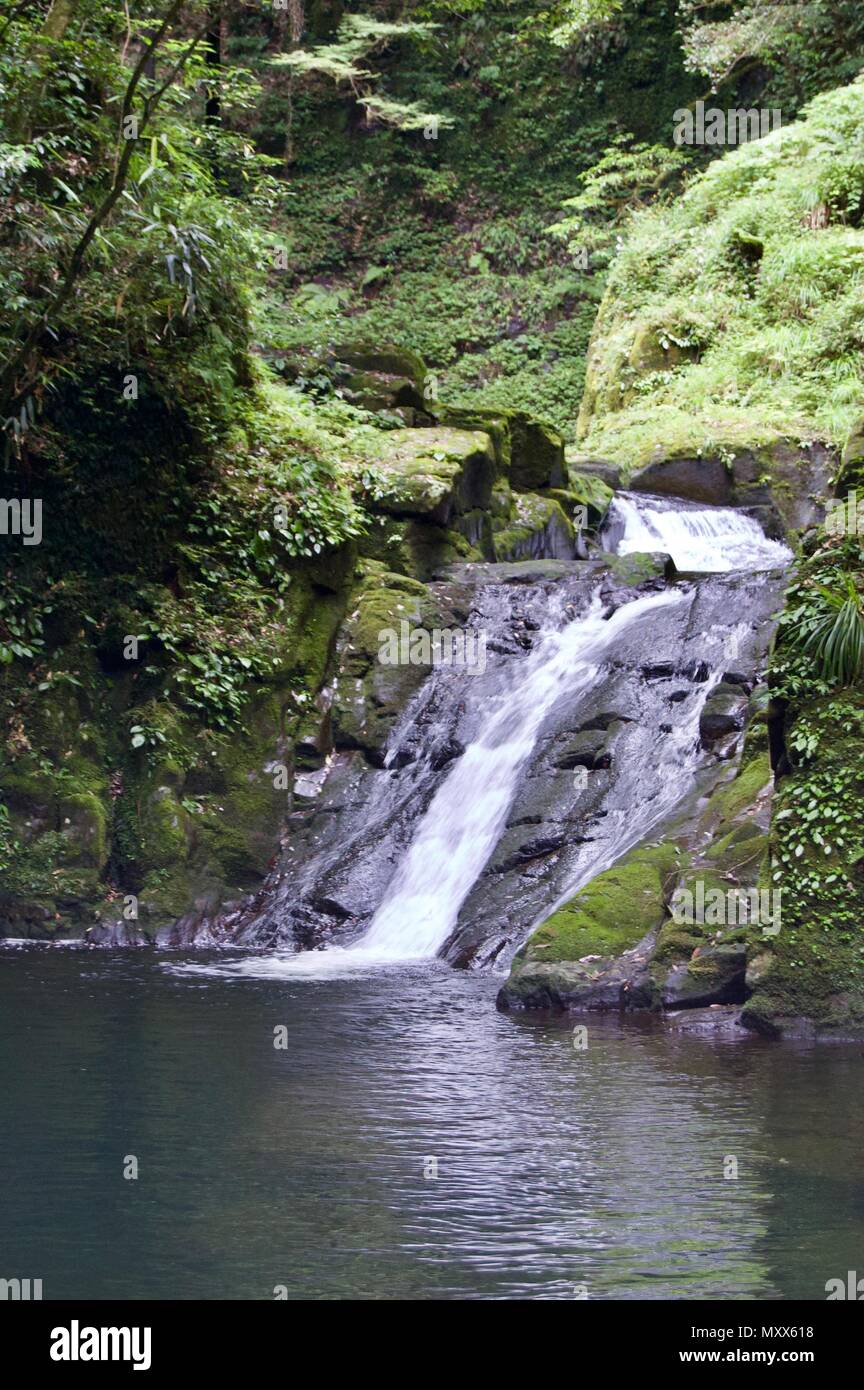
<point x="708" y="539"/>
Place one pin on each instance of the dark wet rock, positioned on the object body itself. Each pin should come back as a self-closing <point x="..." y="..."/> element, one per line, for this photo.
<point x="117" y="933"/>
<point x="716" y="1020"/>
<point x="713" y="975"/>
<point x="444" y="753"/>
<point x="608" y="472"/>
<point x="528" y="852"/>
<point x="587" y="749"/>
<point x="696" y="479"/>
<point x="604" y="720"/>
<point x="724" y="712"/>
<point x="784" y="482"/>
<point x="593" y="986"/>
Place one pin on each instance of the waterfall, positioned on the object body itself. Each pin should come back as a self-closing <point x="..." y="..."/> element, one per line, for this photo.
<point x="715" y="539"/>
<point x="468" y="812"/>
<point x="438" y="889"/>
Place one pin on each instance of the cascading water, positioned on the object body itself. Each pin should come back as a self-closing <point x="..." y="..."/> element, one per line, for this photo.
<point x="708" y="539"/>
<point x="439" y="896"/>
<point x="468" y="813"/>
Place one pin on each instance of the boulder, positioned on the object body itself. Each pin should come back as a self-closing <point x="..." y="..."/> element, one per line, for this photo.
<point x="604" y="470"/>
<point x="713" y="975"/>
<point x="369" y="691"/>
<point x="784" y="484"/>
<point x="379" y="391"/>
<point x="537" y="454"/>
<point x="723" y="713"/>
<point x="851" y="472"/>
<point x="528" y="452"/>
<point x="589" y="748"/>
<point x="539" y="529"/>
<point x="593" y="952"/>
<point x="495" y="423"/>
<point x="385" y="360"/>
<point x="435" y="473"/>
<point x="706" y="480"/>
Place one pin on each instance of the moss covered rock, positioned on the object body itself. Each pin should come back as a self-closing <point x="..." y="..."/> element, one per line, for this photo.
<point x="851" y="472"/>
<point x="592" y="953"/>
<point x="435" y="473"/>
<point x="537" y="454"/>
<point x="539" y="528"/>
<point x="370" y="689"/>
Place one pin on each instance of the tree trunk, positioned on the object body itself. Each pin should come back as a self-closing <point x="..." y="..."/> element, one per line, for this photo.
<point x="213" y="45"/>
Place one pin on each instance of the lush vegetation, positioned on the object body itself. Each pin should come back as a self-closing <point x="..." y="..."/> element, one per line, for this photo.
<point x="734" y="314"/>
<point x="204" y="206"/>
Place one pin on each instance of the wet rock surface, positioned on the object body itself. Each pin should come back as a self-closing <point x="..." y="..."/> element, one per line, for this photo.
<point x="786" y="483"/>
<point x="599" y="775"/>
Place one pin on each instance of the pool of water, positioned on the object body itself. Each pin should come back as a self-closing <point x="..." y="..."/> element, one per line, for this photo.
<point x="309" y="1167"/>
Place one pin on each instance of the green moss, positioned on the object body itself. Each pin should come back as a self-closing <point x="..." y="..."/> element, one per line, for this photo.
<point x="539" y="526"/>
<point x="83" y="824"/>
<point x="678" y="940"/>
<point x="700" y="349"/>
<point x="435" y="473"/>
<point x="740" y="851"/>
<point x="631" y="571"/>
<point x="743" y="790"/>
<point x="612" y="913"/>
<point x="590" y="490"/>
<point x="495" y="423"/>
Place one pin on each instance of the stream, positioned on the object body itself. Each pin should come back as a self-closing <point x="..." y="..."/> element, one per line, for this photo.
<point x="304" y="1167"/>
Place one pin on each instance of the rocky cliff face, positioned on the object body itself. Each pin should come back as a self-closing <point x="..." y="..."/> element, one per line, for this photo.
<point x="112" y="842"/>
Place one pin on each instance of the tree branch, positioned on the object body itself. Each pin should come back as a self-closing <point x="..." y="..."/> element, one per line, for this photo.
<point x="9" y="389"/>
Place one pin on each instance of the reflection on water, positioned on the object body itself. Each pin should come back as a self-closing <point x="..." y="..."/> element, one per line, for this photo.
<point x="303" y="1166"/>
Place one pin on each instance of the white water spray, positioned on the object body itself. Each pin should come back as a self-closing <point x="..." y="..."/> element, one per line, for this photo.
<point x="468" y="812"/>
<point x="711" y="539"/>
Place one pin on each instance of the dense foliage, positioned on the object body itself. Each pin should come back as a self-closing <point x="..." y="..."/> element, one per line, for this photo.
<point x="200" y="201"/>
